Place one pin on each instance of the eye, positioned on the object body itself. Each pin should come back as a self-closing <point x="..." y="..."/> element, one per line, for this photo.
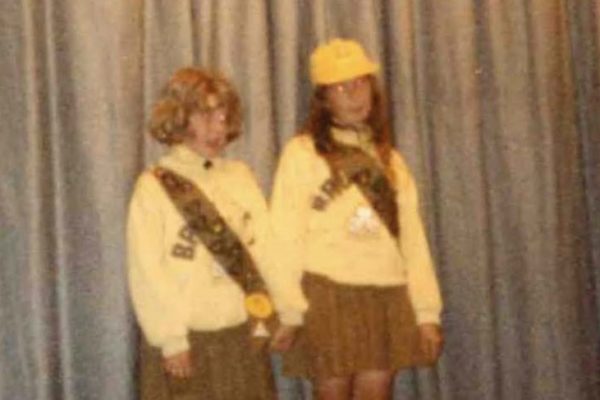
<point x="220" y="115"/>
<point x="339" y="87"/>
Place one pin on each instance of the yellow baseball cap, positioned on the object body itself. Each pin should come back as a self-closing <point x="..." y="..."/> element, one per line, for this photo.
<point x="339" y="60"/>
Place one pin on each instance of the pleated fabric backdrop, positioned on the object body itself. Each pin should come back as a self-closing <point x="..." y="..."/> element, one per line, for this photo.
<point x="495" y="105"/>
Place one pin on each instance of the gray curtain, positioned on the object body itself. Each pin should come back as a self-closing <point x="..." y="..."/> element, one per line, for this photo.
<point x="495" y="104"/>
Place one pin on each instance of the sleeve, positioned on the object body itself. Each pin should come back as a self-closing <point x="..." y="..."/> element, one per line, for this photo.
<point x="422" y="281"/>
<point x="288" y="212"/>
<point x="158" y="303"/>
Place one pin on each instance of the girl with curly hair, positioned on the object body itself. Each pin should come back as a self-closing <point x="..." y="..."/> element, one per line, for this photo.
<point x="196" y="240"/>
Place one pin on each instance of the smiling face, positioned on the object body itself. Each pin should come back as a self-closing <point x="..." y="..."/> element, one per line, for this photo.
<point x="208" y="132"/>
<point x="350" y="101"/>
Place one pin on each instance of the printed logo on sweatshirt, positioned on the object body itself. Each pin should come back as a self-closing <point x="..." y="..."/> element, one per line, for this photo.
<point x="185" y="247"/>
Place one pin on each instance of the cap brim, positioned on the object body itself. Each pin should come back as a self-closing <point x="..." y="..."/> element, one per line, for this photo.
<point x="345" y="74"/>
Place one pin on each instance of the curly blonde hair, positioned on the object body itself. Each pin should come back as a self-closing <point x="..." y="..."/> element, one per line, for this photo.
<point x="192" y="90"/>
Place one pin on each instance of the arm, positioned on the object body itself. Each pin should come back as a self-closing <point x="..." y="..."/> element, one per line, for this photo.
<point x="157" y="300"/>
<point x="288" y="211"/>
<point x="422" y="282"/>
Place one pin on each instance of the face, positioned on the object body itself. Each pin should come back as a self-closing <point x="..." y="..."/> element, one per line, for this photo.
<point x="208" y="132"/>
<point x="350" y="101"/>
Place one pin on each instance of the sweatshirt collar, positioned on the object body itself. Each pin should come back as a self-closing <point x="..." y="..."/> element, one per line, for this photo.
<point x="187" y="158"/>
<point x="361" y="137"/>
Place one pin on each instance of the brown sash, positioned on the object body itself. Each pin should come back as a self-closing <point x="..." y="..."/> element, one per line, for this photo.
<point x="205" y="221"/>
<point x="350" y="165"/>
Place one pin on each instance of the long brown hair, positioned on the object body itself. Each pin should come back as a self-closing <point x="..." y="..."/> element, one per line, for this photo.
<point x="319" y="122"/>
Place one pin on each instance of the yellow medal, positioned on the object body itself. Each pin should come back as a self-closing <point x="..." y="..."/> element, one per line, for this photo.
<point x="259" y="305"/>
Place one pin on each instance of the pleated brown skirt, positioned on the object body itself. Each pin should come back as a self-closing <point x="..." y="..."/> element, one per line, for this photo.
<point x="225" y="368"/>
<point x="348" y="329"/>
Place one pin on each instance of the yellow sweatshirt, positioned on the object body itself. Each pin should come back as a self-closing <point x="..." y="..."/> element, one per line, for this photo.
<point x="346" y="241"/>
<point x="176" y="285"/>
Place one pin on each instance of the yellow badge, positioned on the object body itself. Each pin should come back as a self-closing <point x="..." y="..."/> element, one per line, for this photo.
<point x="259" y="305"/>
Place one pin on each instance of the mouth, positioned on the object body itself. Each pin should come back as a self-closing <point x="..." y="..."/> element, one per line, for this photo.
<point x="357" y="109"/>
<point x="216" y="144"/>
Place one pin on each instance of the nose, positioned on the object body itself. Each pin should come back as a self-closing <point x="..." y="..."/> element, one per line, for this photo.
<point x="354" y="86"/>
<point x="218" y="121"/>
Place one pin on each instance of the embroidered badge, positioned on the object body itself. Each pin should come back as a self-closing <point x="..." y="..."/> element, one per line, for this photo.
<point x="363" y="221"/>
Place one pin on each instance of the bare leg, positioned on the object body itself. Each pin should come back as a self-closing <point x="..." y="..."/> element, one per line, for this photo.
<point x="373" y="385"/>
<point x="333" y="389"/>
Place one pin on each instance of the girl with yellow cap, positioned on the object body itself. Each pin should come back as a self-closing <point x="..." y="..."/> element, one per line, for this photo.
<point x="362" y="296"/>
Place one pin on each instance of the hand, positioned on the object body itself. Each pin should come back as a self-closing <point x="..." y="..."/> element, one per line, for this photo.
<point x="432" y="340"/>
<point x="283" y="338"/>
<point x="179" y="365"/>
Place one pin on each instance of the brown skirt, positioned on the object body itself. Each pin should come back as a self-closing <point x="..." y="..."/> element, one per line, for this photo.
<point x="224" y="369"/>
<point x="350" y="328"/>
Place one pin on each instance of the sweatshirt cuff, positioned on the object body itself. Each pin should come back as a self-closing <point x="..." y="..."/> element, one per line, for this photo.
<point x="427" y="317"/>
<point x="291" y="318"/>
<point x="175" y="346"/>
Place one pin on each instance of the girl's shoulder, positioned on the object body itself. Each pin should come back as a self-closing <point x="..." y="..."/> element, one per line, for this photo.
<point x="398" y="160"/>
<point x="147" y="190"/>
<point x="237" y="167"/>
<point x="147" y="178"/>
<point x="300" y="139"/>
<point x="300" y="144"/>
